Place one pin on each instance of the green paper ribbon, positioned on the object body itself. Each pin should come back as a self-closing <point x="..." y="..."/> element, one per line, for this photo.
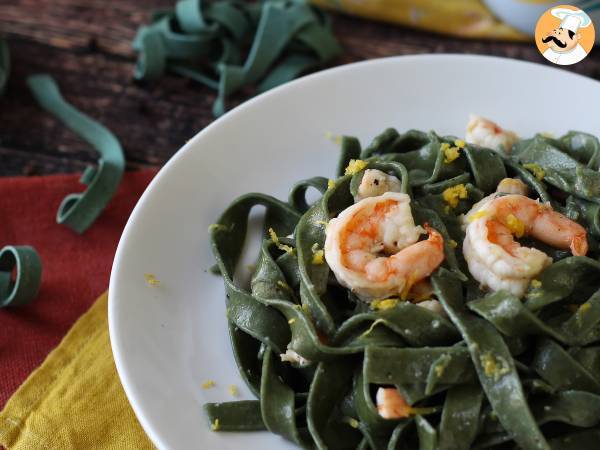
<point x="28" y="268"/>
<point x="78" y="211"/>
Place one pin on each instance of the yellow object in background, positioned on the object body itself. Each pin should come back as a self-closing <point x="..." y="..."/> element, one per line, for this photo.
<point x="465" y="18"/>
<point x="74" y="400"/>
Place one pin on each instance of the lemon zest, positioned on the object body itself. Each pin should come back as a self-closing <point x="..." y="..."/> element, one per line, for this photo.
<point x="330" y="184"/>
<point x="515" y="226"/>
<point x="536" y="170"/>
<point x="384" y="303"/>
<point x="280" y="246"/>
<point x="283" y="285"/>
<point x="477" y="215"/>
<point x="453" y="194"/>
<point x="151" y="279"/>
<point x="318" y="255"/>
<point x="452" y="243"/>
<point x="215" y="425"/>
<point x="450" y="153"/>
<point x="536" y="284"/>
<point x="355" y="166"/>
<point x="493" y="367"/>
<point x="233" y="390"/>
<point x="291" y="321"/>
<point x="208" y="384"/>
<point x="459" y="143"/>
<point x="333" y="137"/>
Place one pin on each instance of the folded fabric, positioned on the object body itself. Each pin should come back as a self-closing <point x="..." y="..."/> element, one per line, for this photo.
<point x="76" y="268"/>
<point x="74" y="400"/>
<point x="465" y="18"/>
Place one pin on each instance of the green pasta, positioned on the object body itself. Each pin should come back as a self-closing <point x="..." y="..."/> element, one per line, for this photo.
<point x="486" y="370"/>
<point x="26" y="263"/>
<point x="228" y="45"/>
<point x="79" y="211"/>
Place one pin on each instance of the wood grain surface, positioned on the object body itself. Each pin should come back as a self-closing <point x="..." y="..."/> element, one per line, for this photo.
<point x="86" y="46"/>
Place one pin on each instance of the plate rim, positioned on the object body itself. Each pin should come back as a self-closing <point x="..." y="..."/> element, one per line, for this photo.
<point x="119" y="357"/>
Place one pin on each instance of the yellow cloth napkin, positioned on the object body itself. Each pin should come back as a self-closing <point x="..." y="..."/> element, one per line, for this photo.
<point x="74" y="400"/>
<point x="466" y="18"/>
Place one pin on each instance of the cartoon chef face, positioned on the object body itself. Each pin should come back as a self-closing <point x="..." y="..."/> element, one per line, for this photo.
<point x="561" y="39"/>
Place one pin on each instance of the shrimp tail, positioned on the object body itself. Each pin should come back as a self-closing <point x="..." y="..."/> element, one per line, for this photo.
<point x="433" y="235"/>
<point x="579" y="245"/>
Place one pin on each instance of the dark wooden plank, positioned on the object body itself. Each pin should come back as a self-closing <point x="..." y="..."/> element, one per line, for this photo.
<point x="86" y="46"/>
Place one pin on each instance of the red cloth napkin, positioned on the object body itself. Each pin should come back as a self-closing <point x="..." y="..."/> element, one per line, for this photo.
<point x="75" y="271"/>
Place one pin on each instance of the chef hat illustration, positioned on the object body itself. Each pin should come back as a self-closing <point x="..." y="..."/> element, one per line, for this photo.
<point x="572" y="20"/>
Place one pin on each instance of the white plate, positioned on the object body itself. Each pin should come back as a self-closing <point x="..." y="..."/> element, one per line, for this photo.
<point x="168" y="340"/>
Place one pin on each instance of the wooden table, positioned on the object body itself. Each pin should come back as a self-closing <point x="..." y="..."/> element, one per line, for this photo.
<point x="86" y="46"/>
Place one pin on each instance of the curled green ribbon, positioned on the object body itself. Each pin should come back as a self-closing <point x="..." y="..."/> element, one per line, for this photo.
<point x="26" y="263"/>
<point x="78" y="211"/>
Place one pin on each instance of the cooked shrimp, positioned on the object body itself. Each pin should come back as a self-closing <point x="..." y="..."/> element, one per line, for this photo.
<point x="375" y="182"/>
<point x="512" y="186"/>
<point x="372" y="247"/>
<point x="391" y="405"/>
<point x="496" y="260"/>
<point x="486" y="133"/>
<point x="506" y="186"/>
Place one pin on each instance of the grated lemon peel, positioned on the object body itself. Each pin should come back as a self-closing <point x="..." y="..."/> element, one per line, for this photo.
<point x="355" y="166"/>
<point x="330" y="184"/>
<point x="384" y="303"/>
<point x="280" y="246"/>
<point x="536" y="284"/>
<point x="536" y="170"/>
<point x="208" y="384"/>
<point x="450" y="153"/>
<point x="233" y="390"/>
<point x="215" y="425"/>
<point x="494" y="367"/>
<point x="453" y="194"/>
<point x="283" y="285"/>
<point x="151" y="279"/>
<point x="515" y="226"/>
<point x="337" y="139"/>
<point x="477" y="215"/>
<point x="318" y="254"/>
